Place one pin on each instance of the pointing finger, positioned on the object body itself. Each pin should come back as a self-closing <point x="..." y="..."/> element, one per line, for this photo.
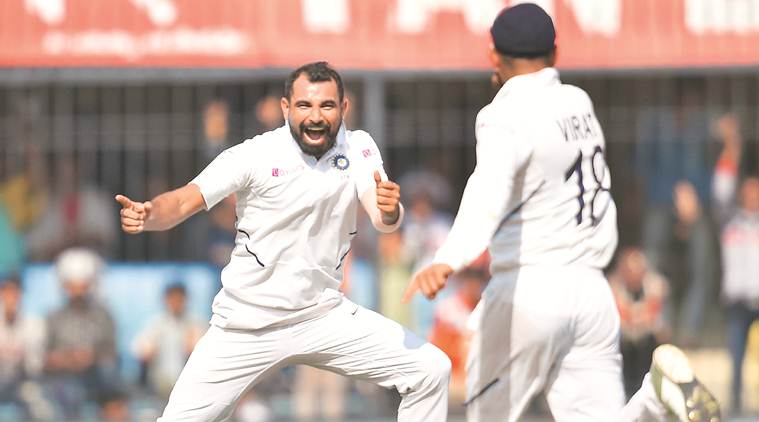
<point x="410" y="291"/>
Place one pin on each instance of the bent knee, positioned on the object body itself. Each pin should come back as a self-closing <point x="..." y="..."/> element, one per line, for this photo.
<point x="430" y="371"/>
<point x="437" y="365"/>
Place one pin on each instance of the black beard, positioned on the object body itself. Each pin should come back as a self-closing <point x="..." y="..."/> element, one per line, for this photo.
<point x="314" y="150"/>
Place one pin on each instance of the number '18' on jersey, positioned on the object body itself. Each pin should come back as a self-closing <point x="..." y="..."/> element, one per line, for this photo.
<point x="540" y="190"/>
<point x="570" y="217"/>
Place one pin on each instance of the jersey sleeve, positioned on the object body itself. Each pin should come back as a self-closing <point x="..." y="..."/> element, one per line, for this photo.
<point x="229" y="172"/>
<point x="369" y="160"/>
<point x="501" y="154"/>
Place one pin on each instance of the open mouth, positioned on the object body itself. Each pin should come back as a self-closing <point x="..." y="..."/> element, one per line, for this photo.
<point x="315" y="134"/>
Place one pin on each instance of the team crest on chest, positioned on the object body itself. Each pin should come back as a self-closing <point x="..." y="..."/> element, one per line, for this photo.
<point x="340" y="162"/>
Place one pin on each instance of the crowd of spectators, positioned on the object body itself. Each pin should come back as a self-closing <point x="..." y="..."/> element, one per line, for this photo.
<point x="699" y="240"/>
<point x="699" y="237"/>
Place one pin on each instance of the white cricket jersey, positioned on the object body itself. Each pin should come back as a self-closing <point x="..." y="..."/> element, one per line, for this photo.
<point x="539" y="194"/>
<point x="296" y="216"/>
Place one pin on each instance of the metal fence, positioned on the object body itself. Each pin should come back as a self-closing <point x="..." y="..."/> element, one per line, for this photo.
<point x="141" y="137"/>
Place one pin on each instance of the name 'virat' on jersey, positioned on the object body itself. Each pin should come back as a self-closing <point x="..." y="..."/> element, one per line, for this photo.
<point x="540" y="158"/>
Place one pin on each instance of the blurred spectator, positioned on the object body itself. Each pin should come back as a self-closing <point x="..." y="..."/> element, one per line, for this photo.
<point x="740" y="249"/>
<point x="25" y="193"/>
<point x="740" y="285"/>
<point x="394" y="269"/>
<point x="641" y="294"/>
<point x="221" y="236"/>
<point x="215" y="128"/>
<point x="425" y="229"/>
<point x="424" y="183"/>
<point x="269" y="113"/>
<point x="81" y="349"/>
<point x="11" y="245"/>
<point x="724" y="184"/>
<point x="319" y="394"/>
<point x="360" y="275"/>
<point x="22" y="341"/>
<point x="114" y="407"/>
<point x="674" y="161"/>
<point x="450" y="332"/>
<point x="80" y="214"/>
<point x="167" y="341"/>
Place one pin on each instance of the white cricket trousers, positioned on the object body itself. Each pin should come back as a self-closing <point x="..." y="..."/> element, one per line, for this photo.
<point x="349" y="340"/>
<point x="553" y="330"/>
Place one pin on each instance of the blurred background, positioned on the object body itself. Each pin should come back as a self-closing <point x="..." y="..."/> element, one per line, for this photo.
<point x="136" y="96"/>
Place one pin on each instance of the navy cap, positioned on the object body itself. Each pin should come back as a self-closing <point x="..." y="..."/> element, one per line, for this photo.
<point x="523" y="30"/>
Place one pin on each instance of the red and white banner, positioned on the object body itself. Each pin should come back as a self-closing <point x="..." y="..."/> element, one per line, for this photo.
<point x="374" y="34"/>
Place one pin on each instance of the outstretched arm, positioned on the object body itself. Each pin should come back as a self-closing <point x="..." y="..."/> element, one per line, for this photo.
<point x="163" y="212"/>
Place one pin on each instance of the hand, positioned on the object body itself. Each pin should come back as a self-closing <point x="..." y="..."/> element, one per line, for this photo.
<point x="430" y="281"/>
<point x="388" y="199"/>
<point x="727" y="129"/>
<point x="133" y="214"/>
<point x="57" y="360"/>
<point x="686" y="202"/>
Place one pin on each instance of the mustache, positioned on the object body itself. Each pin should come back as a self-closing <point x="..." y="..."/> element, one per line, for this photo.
<point x="324" y="125"/>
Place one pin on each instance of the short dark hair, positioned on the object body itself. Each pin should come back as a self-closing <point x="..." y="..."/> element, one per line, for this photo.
<point x="543" y="57"/>
<point x="175" y="287"/>
<point x="316" y="72"/>
<point x="11" y="279"/>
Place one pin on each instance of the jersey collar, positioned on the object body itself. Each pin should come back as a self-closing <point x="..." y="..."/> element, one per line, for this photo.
<point x="544" y="77"/>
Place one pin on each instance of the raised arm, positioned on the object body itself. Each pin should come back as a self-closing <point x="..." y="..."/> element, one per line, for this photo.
<point x="727" y="170"/>
<point x="162" y="212"/>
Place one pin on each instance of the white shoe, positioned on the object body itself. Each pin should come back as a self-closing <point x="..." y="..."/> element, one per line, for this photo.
<point x="679" y="389"/>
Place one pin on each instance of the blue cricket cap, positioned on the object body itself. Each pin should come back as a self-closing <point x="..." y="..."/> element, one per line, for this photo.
<point x="524" y="30"/>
